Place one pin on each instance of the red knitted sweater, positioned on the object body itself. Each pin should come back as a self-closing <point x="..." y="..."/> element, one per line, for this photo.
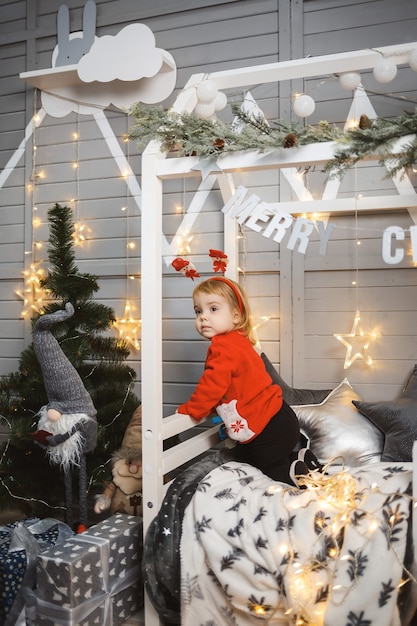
<point x="237" y="386"/>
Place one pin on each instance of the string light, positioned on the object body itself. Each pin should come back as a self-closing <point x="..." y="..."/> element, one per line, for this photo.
<point x="80" y="229"/>
<point x="129" y="326"/>
<point x="32" y="294"/>
<point x="342" y="501"/>
<point x="356" y="342"/>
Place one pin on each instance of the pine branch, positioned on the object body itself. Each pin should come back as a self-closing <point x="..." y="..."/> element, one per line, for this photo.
<point x="187" y="135"/>
<point x="377" y="137"/>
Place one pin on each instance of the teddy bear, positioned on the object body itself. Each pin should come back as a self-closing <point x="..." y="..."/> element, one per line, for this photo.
<point x="124" y="493"/>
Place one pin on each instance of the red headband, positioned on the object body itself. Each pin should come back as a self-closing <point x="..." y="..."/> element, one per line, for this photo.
<point x="232" y="287"/>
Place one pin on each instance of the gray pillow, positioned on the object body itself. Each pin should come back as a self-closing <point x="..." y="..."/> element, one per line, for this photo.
<point x="294" y="396"/>
<point x="338" y="433"/>
<point x="397" y="420"/>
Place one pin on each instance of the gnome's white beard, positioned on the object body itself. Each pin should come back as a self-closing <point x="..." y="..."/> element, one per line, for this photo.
<point x="69" y="452"/>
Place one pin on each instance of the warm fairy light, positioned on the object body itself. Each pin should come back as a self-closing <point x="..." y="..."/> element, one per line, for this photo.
<point x="78" y="235"/>
<point x="183" y="243"/>
<point x="33" y="295"/>
<point x="75" y="166"/>
<point x="75" y="136"/>
<point x="124" y="208"/>
<point x="36" y="118"/>
<point x="301" y="587"/>
<point x="352" y="123"/>
<point x="339" y="490"/>
<point x="131" y="245"/>
<point x="344" y="500"/>
<point x="129" y="327"/>
<point x="36" y="222"/>
<point x="259" y="610"/>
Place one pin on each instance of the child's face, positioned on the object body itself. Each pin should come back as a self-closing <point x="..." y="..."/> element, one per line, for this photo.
<point x="213" y="315"/>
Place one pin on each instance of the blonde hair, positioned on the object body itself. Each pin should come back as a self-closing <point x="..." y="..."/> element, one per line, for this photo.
<point x="234" y="295"/>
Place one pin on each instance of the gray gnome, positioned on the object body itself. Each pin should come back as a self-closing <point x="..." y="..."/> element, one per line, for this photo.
<point x="67" y="427"/>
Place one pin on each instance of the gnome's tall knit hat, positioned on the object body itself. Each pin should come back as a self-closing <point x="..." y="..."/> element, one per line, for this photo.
<point x="64" y="387"/>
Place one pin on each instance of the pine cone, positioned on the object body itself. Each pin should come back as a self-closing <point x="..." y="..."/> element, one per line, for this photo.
<point x="289" y="141"/>
<point x="218" y="143"/>
<point x="364" y="122"/>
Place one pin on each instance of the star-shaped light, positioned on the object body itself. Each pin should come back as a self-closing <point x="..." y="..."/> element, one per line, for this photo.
<point x="33" y="295"/>
<point x="166" y="531"/>
<point x="79" y="233"/>
<point x="183" y="241"/>
<point x="357" y="343"/>
<point x="257" y="322"/>
<point x="206" y="166"/>
<point x="129" y="327"/>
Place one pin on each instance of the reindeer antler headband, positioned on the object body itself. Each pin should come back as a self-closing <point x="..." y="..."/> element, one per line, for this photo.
<point x="220" y="261"/>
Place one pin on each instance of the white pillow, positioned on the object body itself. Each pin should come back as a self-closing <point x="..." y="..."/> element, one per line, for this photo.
<point x="336" y="428"/>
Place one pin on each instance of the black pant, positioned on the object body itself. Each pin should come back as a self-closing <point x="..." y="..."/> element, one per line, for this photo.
<point x="270" y="450"/>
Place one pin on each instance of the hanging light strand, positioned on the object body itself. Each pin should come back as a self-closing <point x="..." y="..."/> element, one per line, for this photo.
<point x="128" y="326"/>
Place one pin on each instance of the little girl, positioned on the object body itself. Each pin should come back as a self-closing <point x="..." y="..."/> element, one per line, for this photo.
<point x="237" y="386"/>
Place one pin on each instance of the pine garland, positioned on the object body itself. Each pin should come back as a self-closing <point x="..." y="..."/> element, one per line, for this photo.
<point x="377" y="137"/>
<point x="186" y="134"/>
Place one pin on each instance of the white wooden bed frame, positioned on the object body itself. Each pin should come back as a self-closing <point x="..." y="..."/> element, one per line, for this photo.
<point x="155" y="169"/>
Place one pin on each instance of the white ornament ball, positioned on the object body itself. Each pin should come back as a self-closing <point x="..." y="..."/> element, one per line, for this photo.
<point x="205" y="111"/>
<point x="412" y="59"/>
<point x="385" y="71"/>
<point x="220" y="101"/>
<point x="206" y="92"/>
<point x="304" y="106"/>
<point x="350" y="80"/>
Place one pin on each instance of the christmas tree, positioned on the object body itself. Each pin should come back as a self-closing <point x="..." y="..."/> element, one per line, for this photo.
<point x="27" y="480"/>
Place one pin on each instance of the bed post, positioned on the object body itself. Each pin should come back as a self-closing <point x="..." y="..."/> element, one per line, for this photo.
<point x="151" y="344"/>
<point x="414" y="503"/>
<point x="151" y="339"/>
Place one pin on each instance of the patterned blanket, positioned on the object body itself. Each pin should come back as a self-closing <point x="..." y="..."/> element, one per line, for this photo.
<point x="332" y="554"/>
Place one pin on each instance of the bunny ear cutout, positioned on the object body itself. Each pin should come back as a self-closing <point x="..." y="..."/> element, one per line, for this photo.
<point x="185" y="267"/>
<point x="220" y="260"/>
<point x="89" y="23"/>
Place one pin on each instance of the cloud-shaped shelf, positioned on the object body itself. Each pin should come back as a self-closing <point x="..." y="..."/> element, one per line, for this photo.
<point x="118" y="70"/>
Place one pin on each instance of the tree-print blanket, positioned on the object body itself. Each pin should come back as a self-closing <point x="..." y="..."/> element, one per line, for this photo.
<point x="332" y="554"/>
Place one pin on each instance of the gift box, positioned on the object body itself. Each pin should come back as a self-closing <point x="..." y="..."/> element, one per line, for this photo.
<point x="20" y="543"/>
<point x="94" y="577"/>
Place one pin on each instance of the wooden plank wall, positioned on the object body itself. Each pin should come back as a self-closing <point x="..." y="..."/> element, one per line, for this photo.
<point x="297" y="291"/>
